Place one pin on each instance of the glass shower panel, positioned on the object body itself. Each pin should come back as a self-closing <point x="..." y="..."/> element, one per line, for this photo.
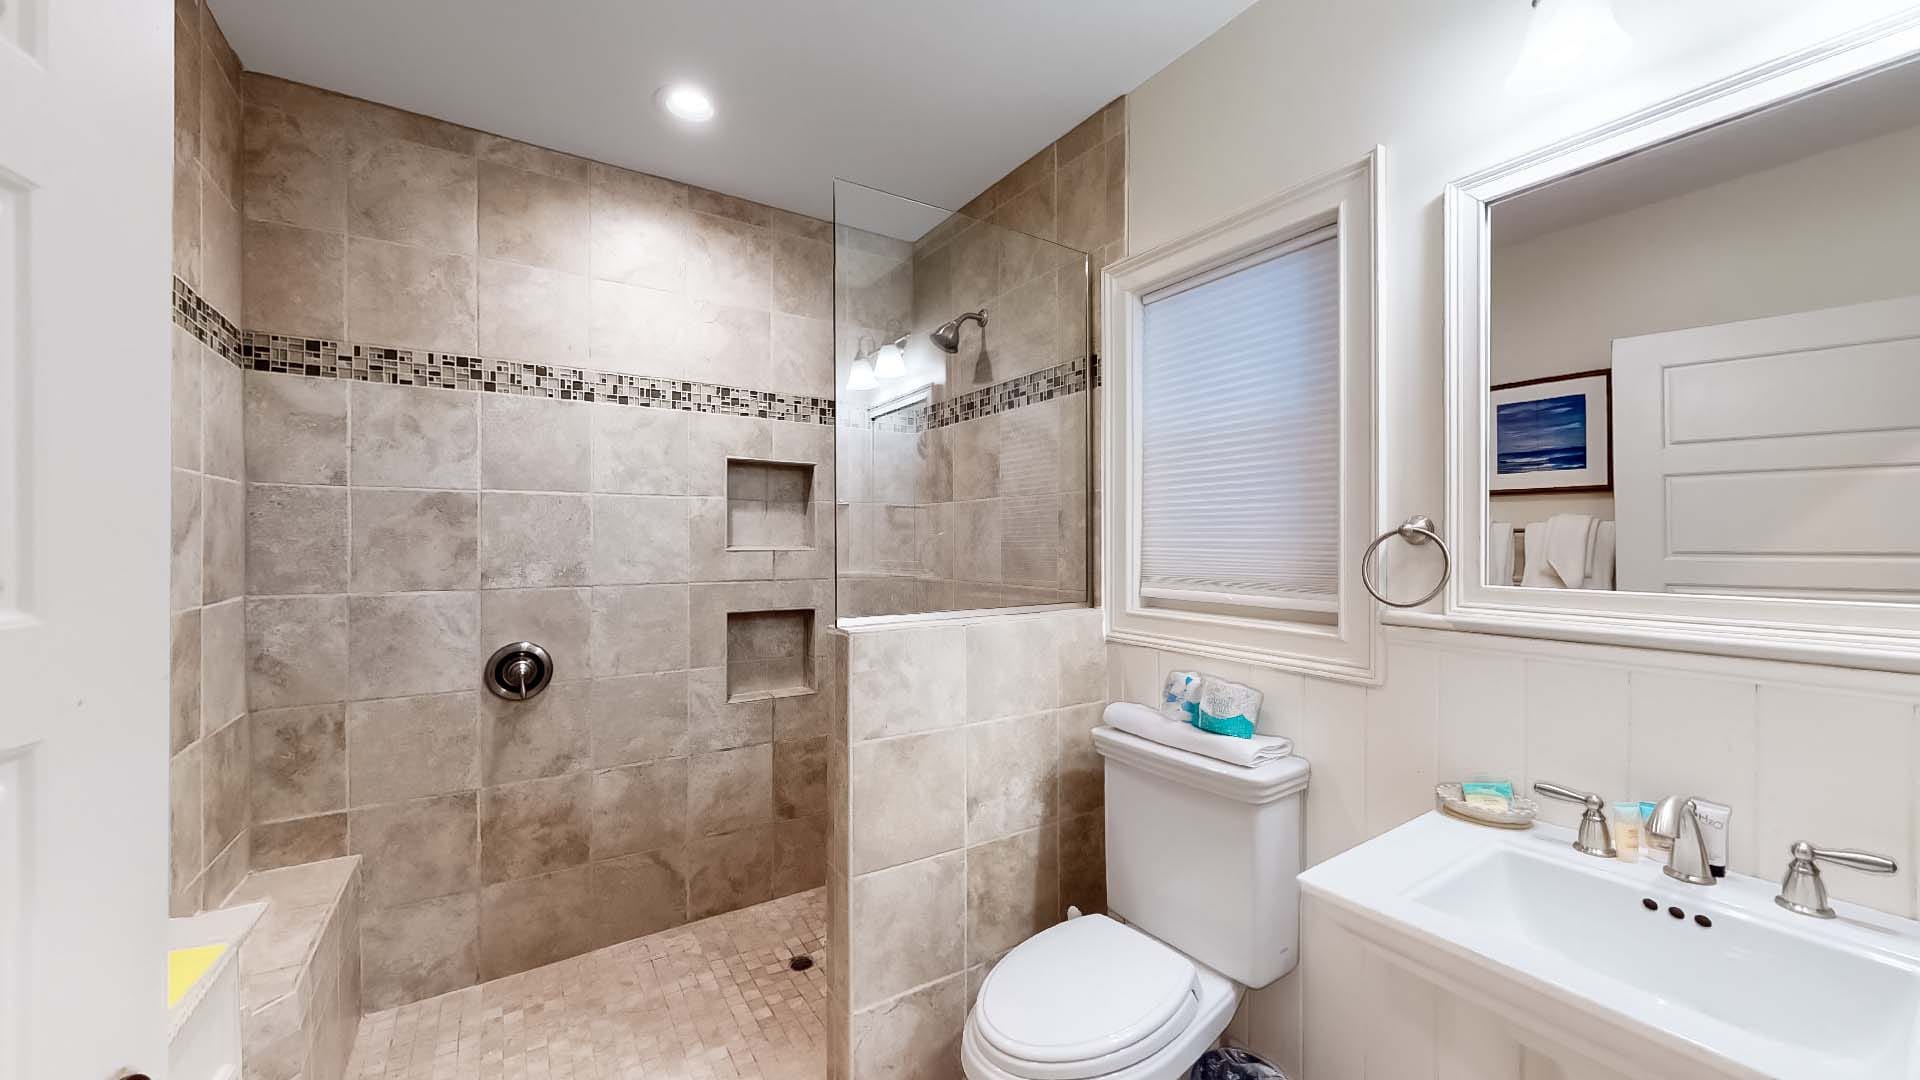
<point x="963" y="377"/>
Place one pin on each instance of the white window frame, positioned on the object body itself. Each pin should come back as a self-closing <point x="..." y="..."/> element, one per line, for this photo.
<point x="1884" y="636"/>
<point x="1349" y="200"/>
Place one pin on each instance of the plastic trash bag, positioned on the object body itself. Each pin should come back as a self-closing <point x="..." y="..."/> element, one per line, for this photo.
<point x="1233" y="1063"/>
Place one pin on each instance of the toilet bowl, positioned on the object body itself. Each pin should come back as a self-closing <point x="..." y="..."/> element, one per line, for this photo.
<point x="1202" y="858"/>
<point x="1092" y="998"/>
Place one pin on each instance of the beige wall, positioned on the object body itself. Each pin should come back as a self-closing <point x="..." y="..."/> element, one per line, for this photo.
<point x="967" y="808"/>
<point x="209" y="767"/>
<point x="1286" y="92"/>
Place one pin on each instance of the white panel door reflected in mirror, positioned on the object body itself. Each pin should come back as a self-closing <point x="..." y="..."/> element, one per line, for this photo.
<point x="1704" y="369"/>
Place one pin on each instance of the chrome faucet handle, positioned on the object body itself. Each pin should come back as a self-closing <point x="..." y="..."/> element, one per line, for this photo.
<point x="1803" y="892"/>
<point x="1677" y="820"/>
<point x="1595" y="838"/>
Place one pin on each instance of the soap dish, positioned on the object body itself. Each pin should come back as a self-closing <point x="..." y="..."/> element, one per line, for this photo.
<point x="1518" y="815"/>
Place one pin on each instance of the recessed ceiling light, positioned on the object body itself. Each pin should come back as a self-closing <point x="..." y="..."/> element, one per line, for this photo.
<point x="684" y="101"/>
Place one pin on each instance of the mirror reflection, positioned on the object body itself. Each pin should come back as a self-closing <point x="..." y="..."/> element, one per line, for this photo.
<point x="1705" y="360"/>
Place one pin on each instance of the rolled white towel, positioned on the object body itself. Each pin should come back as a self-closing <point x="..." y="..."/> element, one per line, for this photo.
<point x="1570" y="546"/>
<point x="1148" y="724"/>
<point x="1535" y="573"/>
<point x="1600" y="567"/>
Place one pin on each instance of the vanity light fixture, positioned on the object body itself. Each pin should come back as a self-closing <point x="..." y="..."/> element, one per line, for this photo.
<point x="860" y="376"/>
<point x="890" y="362"/>
<point x="1565" y="38"/>
<point x="685" y="101"/>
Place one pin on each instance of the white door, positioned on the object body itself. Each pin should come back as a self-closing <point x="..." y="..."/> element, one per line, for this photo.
<point x="85" y="167"/>
<point x="1772" y="457"/>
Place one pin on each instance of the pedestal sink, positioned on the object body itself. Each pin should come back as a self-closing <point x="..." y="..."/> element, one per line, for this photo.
<point x="1641" y="973"/>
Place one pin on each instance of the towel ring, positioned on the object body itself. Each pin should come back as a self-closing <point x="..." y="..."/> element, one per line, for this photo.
<point x="1418" y="529"/>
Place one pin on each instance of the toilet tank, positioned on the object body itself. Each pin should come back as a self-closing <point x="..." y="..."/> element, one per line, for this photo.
<point x="1204" y="855"/>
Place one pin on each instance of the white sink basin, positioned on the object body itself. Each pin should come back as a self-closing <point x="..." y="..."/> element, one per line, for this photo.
<point x="1563" y="945"/>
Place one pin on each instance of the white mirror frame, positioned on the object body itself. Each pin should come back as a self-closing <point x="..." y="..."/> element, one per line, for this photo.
<point x="1882" y="636"/>
<point x="1351" y="651"/>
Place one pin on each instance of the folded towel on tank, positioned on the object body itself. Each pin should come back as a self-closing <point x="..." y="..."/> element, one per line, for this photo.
<point x="1148" y="724"/>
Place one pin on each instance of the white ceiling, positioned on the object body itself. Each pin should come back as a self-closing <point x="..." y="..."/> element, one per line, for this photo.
<point x="930" y="99"/>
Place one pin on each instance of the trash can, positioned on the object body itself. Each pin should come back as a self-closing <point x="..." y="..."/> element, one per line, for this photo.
<point x="1233" y="1063"/>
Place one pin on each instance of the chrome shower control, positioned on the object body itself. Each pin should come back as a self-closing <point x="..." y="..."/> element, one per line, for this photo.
<point x="519" y="670"/>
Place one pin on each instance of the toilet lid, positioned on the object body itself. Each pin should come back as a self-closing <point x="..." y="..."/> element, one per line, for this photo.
<point x="1085" y="997"/>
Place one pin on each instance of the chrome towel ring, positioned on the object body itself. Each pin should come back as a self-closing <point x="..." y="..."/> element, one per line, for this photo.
<point x="1418" y="529"/>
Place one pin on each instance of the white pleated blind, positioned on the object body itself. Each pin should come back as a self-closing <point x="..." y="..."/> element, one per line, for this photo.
<point x="1240" y="433"/>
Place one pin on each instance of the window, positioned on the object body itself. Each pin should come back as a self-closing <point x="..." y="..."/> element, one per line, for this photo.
<point x="1239" y="433"/>
<point x="1240" y="449"/>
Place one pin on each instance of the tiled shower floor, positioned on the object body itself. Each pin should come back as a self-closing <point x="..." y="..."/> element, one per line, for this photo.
<point x="712" y="999"/>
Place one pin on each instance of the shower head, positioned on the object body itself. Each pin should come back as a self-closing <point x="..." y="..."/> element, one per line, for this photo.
<point x="947" y="337"/>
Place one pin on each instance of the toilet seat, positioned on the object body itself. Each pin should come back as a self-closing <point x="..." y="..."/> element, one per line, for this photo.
<point x="1082" y="999"/>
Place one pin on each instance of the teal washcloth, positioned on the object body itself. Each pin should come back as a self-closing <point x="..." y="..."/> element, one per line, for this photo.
<point x="1228" y="708"/>
<point x="1180" y="698"/>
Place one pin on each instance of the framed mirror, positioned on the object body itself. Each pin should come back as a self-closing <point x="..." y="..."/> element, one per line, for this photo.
<point x="1684" y="370"/>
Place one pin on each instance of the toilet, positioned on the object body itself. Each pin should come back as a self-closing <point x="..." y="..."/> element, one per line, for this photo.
<point x="1201" y="862"/>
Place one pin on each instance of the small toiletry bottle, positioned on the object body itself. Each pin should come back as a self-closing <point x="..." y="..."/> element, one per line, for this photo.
<point x="1713" y="830"/>
<point x="1624" y="820"/>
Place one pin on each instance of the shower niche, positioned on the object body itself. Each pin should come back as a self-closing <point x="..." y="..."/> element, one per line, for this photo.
<point x="769" y="505"/>
<point x="769" y="654"/>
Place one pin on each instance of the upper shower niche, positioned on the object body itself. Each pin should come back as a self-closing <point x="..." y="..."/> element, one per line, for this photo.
<point x="962" y="369"/>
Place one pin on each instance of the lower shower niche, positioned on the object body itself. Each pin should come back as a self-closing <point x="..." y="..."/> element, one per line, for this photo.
<point x="769" y="654"/>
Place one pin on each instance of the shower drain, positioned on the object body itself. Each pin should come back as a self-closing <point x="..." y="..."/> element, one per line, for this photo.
<point x="800" y="963"/>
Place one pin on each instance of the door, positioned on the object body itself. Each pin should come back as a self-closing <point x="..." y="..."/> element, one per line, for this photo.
<point x="85" y="168"/>
<point x="1772" y="457"/>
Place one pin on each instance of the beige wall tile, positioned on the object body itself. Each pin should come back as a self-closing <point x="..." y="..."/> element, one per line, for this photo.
<point x="729" y="790"/>
<point x="183" y="680"/>
<point x="534" y="541"/>
<point x="533" y="921"/>
<point x="296" y="539"/>
<point x="638" y="808"/>
<point x="1082" y="770"/>
<point x="220" y="124"/>
<point x="409" y="297"/>
<point x="801" y="276"/>
<point x="1011" y="665"/>
<point x="533" y="827"/>
<point x="223" y="511"/>
<point x="638" y="718"/>
<point x="405" y="541"/>
<point x="299" y="762"/>
<point x="226" y="763"/>
<point x="639" y="629"/>
<point x="712" y="438"/>
<point x="296" y="650"/>
<point x="635" y="329"/>
<point x="557" y="619"/>
<point x="639" y="539"/>
<point x="638" y="894"/>
<point x="728" y="872"/>
<point x="906" y="926"/>
<point x="1013" y="890"/>
<point x="724" y="344"/>
<point x="1012" y="772"/>
<point x="799" y="855"/>
<point x="413" y="194"/>
<point x="220" y="249"/>
<point x="188" y="553"/>
<point x="727" y="263"/>
<point x="416" y="850"/>
<point x="223" y="446"/>
<point x="296" y="429"/>
<point x="295" y="170"/>
<point x="1083" y="863"/>
<point x="710" y="529"/>
<point x="223" y="680"/>
<point x="547" y="735"/>
<point x="418" y="950"/>
<point x="415" y="437"/>
<point x="533" y="219"/>
<point x="532" y="315"/>
<point x="408" y="748"/>
<point x="800" y="359"/>
<point x="536" y="159"/>
<point x="800" y="778"/>
<point x="297" y="840"/>
<point x="908" y="799"/>
<point x="420" y="643"/>
<point x="640" y="232"/>
<point x="714" y="722"/>
<point x="916" y="1034"/>
<point x="186" y="218"/>
<point x="639" y="451"/>
<point x="535" y="444"/>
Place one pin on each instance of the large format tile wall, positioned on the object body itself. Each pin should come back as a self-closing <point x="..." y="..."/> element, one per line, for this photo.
<point x="981" y="499"/>
<point x="967" y="806"/>
<point x="492" y="394"/>
<point x="1800" y="752"/>
<point x="208" y="774"/>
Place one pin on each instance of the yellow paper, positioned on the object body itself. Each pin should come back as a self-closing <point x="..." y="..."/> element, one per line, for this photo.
<point x="185" y="966"/>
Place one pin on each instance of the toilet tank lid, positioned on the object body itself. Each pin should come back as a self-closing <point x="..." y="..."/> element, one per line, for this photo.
<point x="1259" y="784"/>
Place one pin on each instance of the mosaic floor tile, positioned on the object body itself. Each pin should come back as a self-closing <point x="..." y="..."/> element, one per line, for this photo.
<point x="711" y="1000"/>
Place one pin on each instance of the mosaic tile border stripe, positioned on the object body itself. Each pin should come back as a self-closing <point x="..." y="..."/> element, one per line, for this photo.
<point x="1018" y="392"/>
<point x="205" y="322"/>
<point x="323" y="359"/>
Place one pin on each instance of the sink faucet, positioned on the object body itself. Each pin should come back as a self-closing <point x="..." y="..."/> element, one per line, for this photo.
<point x="1803" y="892"/>
<point x="1595" y="837"/>
<point x="1677" y="821"/>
